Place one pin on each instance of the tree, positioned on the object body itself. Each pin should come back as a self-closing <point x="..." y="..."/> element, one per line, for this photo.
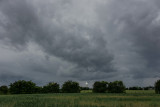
<point x="38" y="89"/>
<point x="71" y="87"/>
<point x="157" y="87"/>
<point x="4" y="89"/>
<point x="135" y="88"/>
<point x="100" y="87"/>
<point x="22" y="87"/>
<point x="51" y="88"/>
<point x="84" y="88"/>
<point x="148" y="88"/>
<point x="116" y="87"/>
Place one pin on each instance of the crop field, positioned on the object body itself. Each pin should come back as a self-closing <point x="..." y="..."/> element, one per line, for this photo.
<point x="83" y="99"/>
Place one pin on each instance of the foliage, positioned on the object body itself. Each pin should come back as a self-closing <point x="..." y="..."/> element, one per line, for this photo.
<point x="135" y="88"/>
<point x="71" y="87"/>
<point x="22" y="87"/>
<point x="38" y="89"/>
<point x="4" y="89"/>
<point x="144" y="98"/>
<point x="116" y="87"/>
<point x="149" y="88"/>
<point x="84" y="88"/>
<point x="157" y="87"/>
<point x="100" y="87"/>
<point x="51" y="88"/>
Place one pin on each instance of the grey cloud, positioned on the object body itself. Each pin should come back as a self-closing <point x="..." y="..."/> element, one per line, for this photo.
<point x="18" y="23"/>
<point x="86" y="40"/>
<point x="136" y="23"/>
<point x="75" y="43"/>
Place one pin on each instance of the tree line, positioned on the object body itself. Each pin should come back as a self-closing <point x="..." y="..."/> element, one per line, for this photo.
<point x="29" y="87"/>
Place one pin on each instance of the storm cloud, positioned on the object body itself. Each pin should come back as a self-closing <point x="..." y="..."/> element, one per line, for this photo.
<point x="57" y="40"/>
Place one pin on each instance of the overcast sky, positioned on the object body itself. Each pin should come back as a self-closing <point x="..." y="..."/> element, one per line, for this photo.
<point x="81" y="40"/>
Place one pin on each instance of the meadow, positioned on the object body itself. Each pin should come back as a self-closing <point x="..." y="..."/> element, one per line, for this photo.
<point x="131" y="98"/>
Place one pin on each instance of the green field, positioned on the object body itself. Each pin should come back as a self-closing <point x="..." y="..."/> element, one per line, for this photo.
<point x="84" y="99"/>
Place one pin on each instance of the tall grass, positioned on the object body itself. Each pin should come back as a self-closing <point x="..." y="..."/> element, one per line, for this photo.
<point x="129" y="99"/>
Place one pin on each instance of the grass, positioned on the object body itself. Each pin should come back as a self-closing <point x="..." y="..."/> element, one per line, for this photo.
<point x="84" y="99"/>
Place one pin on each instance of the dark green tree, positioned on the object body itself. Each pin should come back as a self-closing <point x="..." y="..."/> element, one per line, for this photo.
<point x="100" y="87"/>
<point x="4" y="89"/>
<point x="38" y="89"/>
<point x="71" y="87"/>
<point x="116" y="87"/>
<point x="51" y="88"/>
<point x="157" y="87"/>
<point x="135" y="88"/>
<point x="22" y="87"/>
<point x="84" y="88"/>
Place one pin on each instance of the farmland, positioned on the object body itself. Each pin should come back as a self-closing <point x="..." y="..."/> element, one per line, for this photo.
<point x="84" y="99"/>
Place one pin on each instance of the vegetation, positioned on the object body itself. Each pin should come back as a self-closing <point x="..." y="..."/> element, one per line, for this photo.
<point x="136" y="98"/>
<point x="135" y="88"/>
<point x="114" y="95"/>
<point x="116" y="87"/>
<point x="71" y="87"/>
<point x="4" y="89"/>
<point x="28" y="87"/>
<point x="100" y="87"/>
<point x="157" y="87"/>
<point x="22" y="87"/>
<point x="84" y="88"/>
<point x="51" y="88"/>
<point x="149" y="88"/>
<point x="38" y="90"/>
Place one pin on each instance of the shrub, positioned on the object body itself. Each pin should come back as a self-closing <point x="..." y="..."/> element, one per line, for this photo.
<point x="157" y="87"/>
<point x="135" y="88"/>
<point x="51" y="88"/>
<point x="71" y="87"/>
<point x="84" y="88"/>
<point x="100" y="87"/>
<point x="22" y="87"/>
<point x="116" y="87"/>
<point x="38" y="89"/>
<point x="149" y="88"/>
<point x="4" y="89"/>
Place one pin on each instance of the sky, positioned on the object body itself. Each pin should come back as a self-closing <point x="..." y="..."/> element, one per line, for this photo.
<point x="80" y="40"/>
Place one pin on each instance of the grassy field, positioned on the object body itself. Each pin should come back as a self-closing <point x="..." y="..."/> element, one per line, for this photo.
<point x="84" y="99"/>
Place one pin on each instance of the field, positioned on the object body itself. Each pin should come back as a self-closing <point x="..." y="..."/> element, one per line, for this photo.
<point x="83" y="99"/>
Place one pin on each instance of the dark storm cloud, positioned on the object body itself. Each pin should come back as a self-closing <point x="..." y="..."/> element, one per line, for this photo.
<point x="18" y="21"/>
<point x="84" y="40"/>
<point x="138" y="22"/>
<point x="76" y="43"/>
<point x="6" y="79"/>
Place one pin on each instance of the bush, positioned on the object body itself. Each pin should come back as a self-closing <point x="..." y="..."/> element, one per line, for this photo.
<point x="4" y="89"/>
<point x="38" y="89"/>
<point x="116" y="87"/>
<point x="51" y="88"/>
<point x="157" y="87"/>
<point x="84" y="88"/>
<point x="135" y="88"/>
<point x="22" y="87"/>
<point x="100" y="87"/>
<point x="71" y="87"/>
<point x="149" y="88"/>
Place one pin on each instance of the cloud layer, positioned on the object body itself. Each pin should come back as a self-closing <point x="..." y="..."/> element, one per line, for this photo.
<point x="57" y="40"/>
